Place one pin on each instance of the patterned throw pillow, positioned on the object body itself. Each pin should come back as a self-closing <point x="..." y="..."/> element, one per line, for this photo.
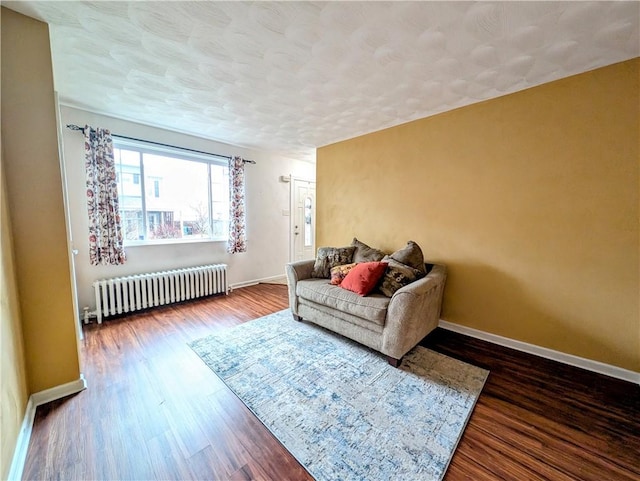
<point x="338" y="273"/>
<point x="397" y="276"/>
<point x="410" y="255"/>
<point x="362" y="279"/>
<point x="364" y="253"/>
<point x="329" y="257"/>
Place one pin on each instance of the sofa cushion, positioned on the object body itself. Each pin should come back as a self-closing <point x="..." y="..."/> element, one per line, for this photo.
<point x="329" y="257"/>
<point x="338" y="273"/>
<point x="397" y="276"/>
<point x="364" y="253"/>
<point x="410" y="255"/>
<point x="372" y="308"/>
<point x="343" y="323"/>
<point x="364" y="277"/>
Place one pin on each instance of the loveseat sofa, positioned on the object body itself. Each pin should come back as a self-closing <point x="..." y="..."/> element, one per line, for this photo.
<point x="391" y="325"/>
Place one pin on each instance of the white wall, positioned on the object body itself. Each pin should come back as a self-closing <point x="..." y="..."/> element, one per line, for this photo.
<point x="267" y="227"/>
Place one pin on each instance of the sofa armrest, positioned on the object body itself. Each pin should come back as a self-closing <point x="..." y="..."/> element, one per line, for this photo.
<point x="413" y="312"/>
<point x="297" y="271"/>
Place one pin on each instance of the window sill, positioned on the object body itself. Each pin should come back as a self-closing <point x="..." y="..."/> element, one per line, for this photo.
<point x="164" y="242"/>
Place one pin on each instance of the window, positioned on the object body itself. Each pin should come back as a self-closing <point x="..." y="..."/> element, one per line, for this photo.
<point x="169" y="194"/>
<point x="308" y="241"/>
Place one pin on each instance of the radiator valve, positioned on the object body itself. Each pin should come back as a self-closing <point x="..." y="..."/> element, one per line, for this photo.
<point x="88" y="315"/>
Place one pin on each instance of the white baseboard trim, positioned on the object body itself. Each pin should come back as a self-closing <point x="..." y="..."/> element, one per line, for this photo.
<point x="276" y="280"/>
<point x="22" y="443"/>
<point x="58" y="392"/>
<point x="238" y="285"/>
<point x="35" y="400"/>
<point x="570" y="359"/>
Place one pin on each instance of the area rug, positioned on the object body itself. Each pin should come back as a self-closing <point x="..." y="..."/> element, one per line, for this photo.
<point x="339" y="408"/>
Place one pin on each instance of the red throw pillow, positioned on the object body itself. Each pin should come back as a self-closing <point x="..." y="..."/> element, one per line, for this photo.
<point x="362" y="279"/>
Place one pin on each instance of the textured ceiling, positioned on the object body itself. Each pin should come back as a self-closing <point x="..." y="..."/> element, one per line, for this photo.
<point x="293" y="76"/>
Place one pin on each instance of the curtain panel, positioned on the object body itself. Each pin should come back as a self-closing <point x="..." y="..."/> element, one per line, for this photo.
<point x="237" y="218"/>
<point x="106" y="245"/>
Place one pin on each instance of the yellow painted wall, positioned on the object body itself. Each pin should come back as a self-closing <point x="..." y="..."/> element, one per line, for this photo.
<point x="34" y="193"/>
<point x="13" y="375"/>
<point x="531" y="200"/>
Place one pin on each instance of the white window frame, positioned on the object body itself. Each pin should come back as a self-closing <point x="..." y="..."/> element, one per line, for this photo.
<point x="177" y="153"/>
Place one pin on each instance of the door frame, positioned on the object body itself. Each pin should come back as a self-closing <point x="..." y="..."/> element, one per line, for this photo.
<point x="72" y="251"/>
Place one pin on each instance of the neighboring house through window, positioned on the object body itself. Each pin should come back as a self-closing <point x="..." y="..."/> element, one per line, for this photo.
<point x="167" y="193"/>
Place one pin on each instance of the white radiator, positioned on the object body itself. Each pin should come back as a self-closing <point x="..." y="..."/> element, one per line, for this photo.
<point x="132" y="293"/>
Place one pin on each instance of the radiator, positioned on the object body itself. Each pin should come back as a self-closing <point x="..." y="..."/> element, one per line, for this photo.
<point x="132" y="293"/>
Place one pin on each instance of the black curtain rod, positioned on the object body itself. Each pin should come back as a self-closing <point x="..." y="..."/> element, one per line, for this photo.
<point x="81" y="129"/>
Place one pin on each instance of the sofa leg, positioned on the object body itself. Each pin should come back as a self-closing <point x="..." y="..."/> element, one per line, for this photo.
<point x="296" y="317"/>
<point x="393" y="361"/>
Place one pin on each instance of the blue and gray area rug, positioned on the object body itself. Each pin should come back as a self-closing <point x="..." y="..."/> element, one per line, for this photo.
<point x="338" y="407"/>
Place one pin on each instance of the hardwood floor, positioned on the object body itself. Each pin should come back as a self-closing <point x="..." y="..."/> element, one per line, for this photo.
<point x="539" y="419"/>
<point x="153" y="410"/>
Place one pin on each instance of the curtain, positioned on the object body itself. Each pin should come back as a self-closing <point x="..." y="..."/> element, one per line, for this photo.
<point x="105" y="229"/>
<point x="237" y="219"/>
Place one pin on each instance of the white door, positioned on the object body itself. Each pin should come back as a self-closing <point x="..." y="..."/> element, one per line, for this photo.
<point x="303" y="219"/>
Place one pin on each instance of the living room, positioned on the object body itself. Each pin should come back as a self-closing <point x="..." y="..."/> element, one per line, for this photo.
<point x="530" y="199"/>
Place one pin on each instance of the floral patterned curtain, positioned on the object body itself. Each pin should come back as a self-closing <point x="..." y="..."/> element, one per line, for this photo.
<point x="105" y="230"/>
<point x="237" y="220"/>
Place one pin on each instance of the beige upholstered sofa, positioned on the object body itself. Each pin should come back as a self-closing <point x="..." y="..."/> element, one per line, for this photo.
<point x="392" y="326"/>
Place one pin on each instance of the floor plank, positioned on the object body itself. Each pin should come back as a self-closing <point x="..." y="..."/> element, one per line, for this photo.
<point x="153" y="410"/>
